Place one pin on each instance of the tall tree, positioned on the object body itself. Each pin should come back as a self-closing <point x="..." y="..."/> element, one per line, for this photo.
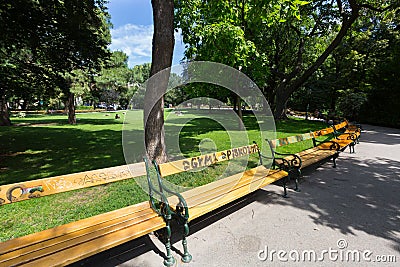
<point x="56" y="37"/>
<point x="162" y="51"/>
<point x="290" y="46"/>
<point x="113" y="79"/>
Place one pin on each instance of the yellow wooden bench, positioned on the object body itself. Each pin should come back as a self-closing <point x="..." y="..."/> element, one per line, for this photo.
<point x="347" y="131"/>
<point x="320" y="151"/>
<point x="300" y="160"/>
<point x="195" y="202"/>
<point x="68" y="243"/>
<point x="74" y="241"/>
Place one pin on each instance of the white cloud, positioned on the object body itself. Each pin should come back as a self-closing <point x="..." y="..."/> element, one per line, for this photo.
<point x="136" y="42"/>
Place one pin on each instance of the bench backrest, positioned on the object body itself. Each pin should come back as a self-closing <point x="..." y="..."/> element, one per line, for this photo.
<point x="323" y="132"/>
<point x="10" y="193"/>
<point x="290" y="140"/>
<point x="347" y="126"/>
<point x="205" y="160"/>
<point x="303" y="137"/>
<point x="341" y="125"/>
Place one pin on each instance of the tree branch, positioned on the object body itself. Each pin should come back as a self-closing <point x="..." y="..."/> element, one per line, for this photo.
<point x="377" y="9"/>
<point x="321" y="59"/>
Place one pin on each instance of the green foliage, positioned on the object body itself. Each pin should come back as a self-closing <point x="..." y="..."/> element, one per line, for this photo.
<point x="280" y="44"/>
<point x="382" y="106"/>
<point x="41" y="49"/>
<point x="113" y="79"/>
<point x="358" y="79"/>
<point x="221" y="30"/>
<point x="349" y="104"/>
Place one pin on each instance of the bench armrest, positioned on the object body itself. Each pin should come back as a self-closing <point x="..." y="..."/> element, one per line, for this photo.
<point x="286" y="164"/>
<point x="164" y="209"/>
<point x="181" y="208"/>
<point x="294" y="162"/>
<point x="350" y="136"/>
<point x="334" y="145"/>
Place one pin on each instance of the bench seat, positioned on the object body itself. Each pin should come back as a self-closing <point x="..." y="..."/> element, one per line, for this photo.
<point x="314" y="155"/>
<point x="203" y="199"/>
<point x="74" y="241"/>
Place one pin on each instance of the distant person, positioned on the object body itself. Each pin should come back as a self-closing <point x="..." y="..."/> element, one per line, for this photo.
<point x="317" y="114"/>
<point x="117" y="116"/>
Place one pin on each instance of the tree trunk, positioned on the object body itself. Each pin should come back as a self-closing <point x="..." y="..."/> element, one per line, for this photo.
<point x="71" y="108"/>
<point x="239" y="112"/>
<point x="24" y="104"/>
<point x="280" y="103"/>
<point x="163" y="47"/>
<point x="4" y="115"/>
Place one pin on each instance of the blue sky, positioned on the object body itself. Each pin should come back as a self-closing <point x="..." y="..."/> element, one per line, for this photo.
<point x="133" y="31"/>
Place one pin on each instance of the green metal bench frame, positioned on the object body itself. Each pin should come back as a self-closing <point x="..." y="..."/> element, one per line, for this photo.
<point x="347" y="131"/>
<point x="292" y="163"/>
<point x="163" y="209"/>
<point x="180" y="213"/>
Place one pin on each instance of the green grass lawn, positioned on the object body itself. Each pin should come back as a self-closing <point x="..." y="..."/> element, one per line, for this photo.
<point x="40" y="146"/>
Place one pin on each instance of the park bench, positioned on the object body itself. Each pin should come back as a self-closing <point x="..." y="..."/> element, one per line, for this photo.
<point x="321" y="150"/>
<point x="347" y="131"/>
<point x="68" y="243"/>
<point x="193" y="203"/>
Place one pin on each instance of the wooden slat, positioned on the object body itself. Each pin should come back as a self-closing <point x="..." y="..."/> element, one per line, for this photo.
<point x="222" y="186"/>
<point x="236" y="193"/>
<point x="313" y="155"/>
<point x="252" y="180"/>
<point x="291" y="139"/>
<point x="188" y="164"/>
<point x="29" y="240"/>
<point x="49" y="246"/>
<point x="208" y="197"/>
<point x="322" y="132"/>
<point x="92" y="247"/>
<point x="316" y="156"/>
<point x="341" y="125"/>
<point x="38" y="188"/>
<point x="342" y="142"/>
<point x="75" y="237"/>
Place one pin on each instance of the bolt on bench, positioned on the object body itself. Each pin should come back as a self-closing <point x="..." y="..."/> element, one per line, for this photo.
<point x="193" y="203"/>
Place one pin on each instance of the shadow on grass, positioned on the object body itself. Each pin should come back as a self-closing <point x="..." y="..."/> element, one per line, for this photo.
<point x="58" y="120"/>
<point x="194" y="127"/>
<point x="297" y="126"/>
<point x="29" y="153"/>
